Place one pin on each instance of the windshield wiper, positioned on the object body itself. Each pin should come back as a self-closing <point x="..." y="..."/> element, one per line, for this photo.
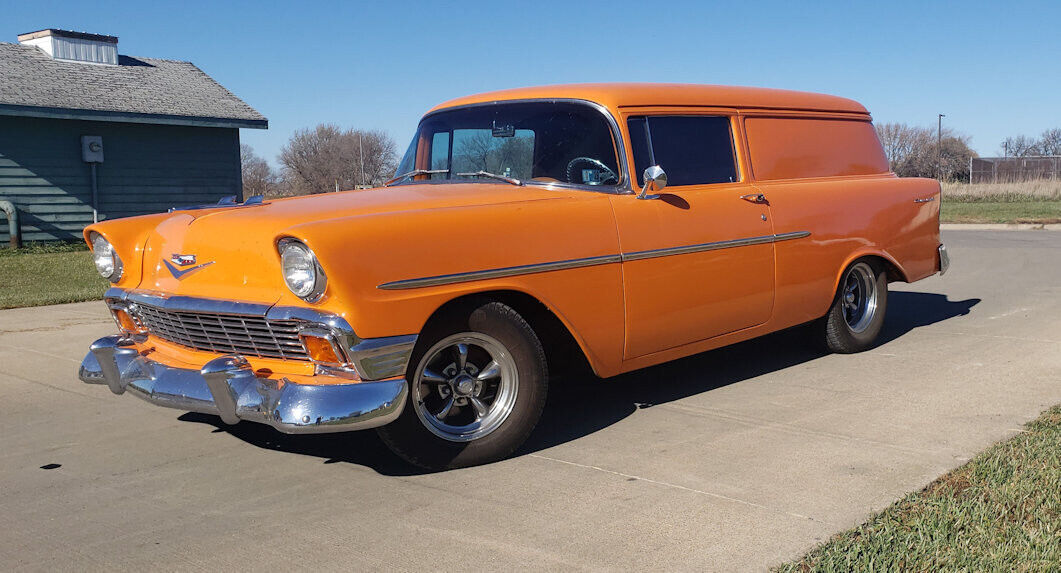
<point x="414" y="173"/>
<point x="504" y="178"/>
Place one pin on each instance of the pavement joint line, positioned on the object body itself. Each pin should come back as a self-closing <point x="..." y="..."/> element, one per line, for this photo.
<point x="679" y="487"/>
<point x="48" y="354"/>
<point x="793" y="428"/>
<point x="90" y="395"/>
<point x="833" y="390"/>
<point x="1009" y="313"/>
<point x="45" y="328"/>
<point x="999" y="336"/>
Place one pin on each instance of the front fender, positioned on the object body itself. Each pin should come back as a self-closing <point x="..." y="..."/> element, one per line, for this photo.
<point x="361" y="253"/>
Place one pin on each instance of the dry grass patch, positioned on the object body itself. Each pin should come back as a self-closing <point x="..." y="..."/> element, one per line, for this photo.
<point x="1025" y="202"/>
<point x="1026" y="191"/>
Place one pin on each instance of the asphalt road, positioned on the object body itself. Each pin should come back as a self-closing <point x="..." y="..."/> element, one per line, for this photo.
<point x="735" y="459"/>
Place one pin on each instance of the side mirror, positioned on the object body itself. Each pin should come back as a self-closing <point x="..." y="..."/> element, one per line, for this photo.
<point x="655" y="180"/>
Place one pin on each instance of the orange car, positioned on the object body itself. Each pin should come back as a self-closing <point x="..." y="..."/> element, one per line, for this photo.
<point x="625" y="224"/>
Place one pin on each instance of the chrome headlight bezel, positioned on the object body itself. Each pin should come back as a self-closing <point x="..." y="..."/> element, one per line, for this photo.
<point x="291" y="251"/>
<point x="108" y="263"/>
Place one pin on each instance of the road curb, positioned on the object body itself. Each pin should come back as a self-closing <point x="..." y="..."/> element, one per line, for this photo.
<point x="1000" y="227"/>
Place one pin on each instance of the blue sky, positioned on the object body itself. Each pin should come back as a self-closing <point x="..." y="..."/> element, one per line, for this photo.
<point x="992" y="68"/>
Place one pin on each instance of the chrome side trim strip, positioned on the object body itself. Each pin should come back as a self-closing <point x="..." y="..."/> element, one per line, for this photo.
<point x="670" y="251"/>
<point x="790" y="236"/>
<point x="585" y="262"/>
<point x="498" y="273"/>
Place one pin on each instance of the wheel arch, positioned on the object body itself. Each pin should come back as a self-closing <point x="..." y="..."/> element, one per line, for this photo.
<point x="565" y="352"/>
<point x="892" y="268"/>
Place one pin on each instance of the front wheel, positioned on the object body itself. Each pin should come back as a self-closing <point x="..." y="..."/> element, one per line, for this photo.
<point x="855" y="319"/>
<point x="477" y="387"/>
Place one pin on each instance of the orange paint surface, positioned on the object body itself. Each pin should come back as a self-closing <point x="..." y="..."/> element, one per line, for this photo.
<point x="788" y="148"/>
<point x="624" y="315"/>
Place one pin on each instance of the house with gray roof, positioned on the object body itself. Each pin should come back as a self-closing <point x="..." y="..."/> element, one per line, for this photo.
<point x="89" y="134"/>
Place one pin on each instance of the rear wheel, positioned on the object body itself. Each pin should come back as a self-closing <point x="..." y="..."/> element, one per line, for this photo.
<point x="854" y="321"/>
<point x="477" y="386"/>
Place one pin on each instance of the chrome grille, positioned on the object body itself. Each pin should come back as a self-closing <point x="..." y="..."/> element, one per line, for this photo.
<point x="224" y="333"/>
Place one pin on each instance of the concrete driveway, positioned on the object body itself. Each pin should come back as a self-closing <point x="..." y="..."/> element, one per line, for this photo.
<point x="735" y="459"/>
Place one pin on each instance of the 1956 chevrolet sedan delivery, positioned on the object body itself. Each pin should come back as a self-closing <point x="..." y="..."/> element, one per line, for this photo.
<point x="624" y="225"/>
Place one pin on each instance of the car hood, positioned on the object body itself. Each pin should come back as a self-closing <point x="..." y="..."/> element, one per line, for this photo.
<point x="234" y="248"/>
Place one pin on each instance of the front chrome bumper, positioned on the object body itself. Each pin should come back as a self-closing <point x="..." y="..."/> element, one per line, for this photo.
<point x="944" y="260"/>
<point x="227" y="387"/>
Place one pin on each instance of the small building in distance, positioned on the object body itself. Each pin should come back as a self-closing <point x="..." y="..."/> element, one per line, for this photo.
<point x="89" y="134"/>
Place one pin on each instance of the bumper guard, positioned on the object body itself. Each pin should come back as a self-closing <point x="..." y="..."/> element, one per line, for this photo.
<point x="227" y="387"/>
<point x="944" y="260"/>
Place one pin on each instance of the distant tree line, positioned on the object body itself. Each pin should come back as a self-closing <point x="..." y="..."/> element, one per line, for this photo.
<point x="918" y="152"/>
<point x="1049" y="143"/>
<point x="319" y="160"/>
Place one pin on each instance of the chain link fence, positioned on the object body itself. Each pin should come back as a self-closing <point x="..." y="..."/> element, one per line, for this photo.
<point x="1013" y="169"/>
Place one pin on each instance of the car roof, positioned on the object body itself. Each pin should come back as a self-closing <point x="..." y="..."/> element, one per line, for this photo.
<point x="616" y="95"/>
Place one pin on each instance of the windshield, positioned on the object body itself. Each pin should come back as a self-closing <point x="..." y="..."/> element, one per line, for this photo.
<point x="536" y="142"/>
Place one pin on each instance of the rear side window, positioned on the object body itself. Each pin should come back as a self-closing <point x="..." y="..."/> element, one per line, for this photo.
<point x="794" y="148"/>
<point x="693" y="150"/>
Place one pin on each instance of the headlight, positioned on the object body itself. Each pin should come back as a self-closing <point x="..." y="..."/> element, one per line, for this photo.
<point x="107" y="261"/>
<point x="302" y="273"/>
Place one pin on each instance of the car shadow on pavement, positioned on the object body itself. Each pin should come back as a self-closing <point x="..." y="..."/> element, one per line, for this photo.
<point x="581" y="405"/>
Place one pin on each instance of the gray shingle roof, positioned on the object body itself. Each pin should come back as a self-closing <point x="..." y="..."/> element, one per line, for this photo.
<point x="138" y="89"/>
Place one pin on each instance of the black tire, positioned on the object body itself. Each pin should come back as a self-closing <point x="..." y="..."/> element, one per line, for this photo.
<point x="845" y="331"/>
<point x="413" y="439"/>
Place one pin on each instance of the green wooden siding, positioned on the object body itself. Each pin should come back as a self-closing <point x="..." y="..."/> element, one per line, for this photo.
<point x="147" y="169"/>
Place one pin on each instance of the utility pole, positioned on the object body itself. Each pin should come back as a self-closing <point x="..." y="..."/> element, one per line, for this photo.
<point x="939" y="147"/>
<point x="361" y="153"/>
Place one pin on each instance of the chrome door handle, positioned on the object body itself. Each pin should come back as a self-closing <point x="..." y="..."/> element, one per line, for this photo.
<point x="926" y="200"/>
<point x="754" y="198"/>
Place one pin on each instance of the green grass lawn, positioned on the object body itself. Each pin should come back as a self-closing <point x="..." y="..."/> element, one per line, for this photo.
<point x="999" y="512"/>
<point x="48" y="275"/>
<point x="1001" y="211"/>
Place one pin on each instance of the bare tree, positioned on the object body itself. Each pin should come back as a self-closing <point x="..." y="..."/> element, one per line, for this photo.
<point x="898" y="140"/>
<point x="258" y="177"/>
<point x="912" y="151"/>
<point x="505" y="155"/>
<point x="1050" y="142"/>
<point x="474" y="153"/>
<point x="320" y="159"/>
<point x="953" y="157"/>
<point x="1019" y="146"/>
<point x="380" y="154"/>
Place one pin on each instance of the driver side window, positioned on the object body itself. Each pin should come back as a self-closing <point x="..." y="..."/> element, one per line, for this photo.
<point x="693" y="150"/>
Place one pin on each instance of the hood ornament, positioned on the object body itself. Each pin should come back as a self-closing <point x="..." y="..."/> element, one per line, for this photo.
<point x="183" y="261"/>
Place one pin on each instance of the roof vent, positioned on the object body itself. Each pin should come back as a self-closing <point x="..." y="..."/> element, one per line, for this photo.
<point x="74" y="46"/>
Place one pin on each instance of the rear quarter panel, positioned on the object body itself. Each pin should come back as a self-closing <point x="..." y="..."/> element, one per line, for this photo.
<point x="848" y="218"/>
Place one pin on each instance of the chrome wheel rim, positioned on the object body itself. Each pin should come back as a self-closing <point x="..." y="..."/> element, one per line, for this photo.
<point x="859" y="297"/>
<point x="465" y="387"/>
